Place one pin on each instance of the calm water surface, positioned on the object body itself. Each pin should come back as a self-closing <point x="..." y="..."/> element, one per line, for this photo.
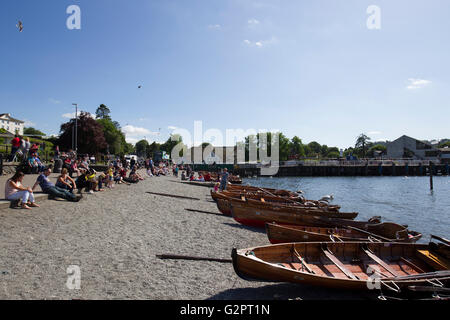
<point x="404" y="200"/>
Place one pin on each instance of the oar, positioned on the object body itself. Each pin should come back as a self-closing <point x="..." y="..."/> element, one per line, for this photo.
<point x="445" y="241"/>
<point x="201" y="211"/>
<point x="434" y="274"/>
<point x="172" y="195"/>
<point x="271" y="194"/>
<point x="363" y="231"/>
<point x="180" y="257"/>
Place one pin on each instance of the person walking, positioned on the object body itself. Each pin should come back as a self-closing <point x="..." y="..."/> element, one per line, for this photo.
<point x="15" y="146"/>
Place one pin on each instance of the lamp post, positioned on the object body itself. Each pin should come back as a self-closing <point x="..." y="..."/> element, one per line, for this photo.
<point x="76" y="127"/>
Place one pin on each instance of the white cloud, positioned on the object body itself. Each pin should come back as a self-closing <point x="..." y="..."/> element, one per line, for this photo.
<point x="70" y="115"/>
<point x="54" y="101"/>
<point x="134" y="131"/>
<point x="374" y="132"/>
<point x="134" y="134"/>
<point x="214" y="27"/>
<point x="417" y="83"/>
<point x="29" y="123"/>
<point x="261" y="43"/>
<point x="253" y="22"/>
<point x="172" y="128"/>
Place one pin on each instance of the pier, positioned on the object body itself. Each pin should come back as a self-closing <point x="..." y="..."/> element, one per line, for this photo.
<point x="349" y="168"/>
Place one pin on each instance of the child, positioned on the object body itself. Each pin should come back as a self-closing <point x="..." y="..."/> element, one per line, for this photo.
<point x="216" y="187"/>
<point x="110" y="177"/>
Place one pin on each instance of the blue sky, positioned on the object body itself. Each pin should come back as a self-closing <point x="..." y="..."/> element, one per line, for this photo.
<point x="308" y="68"/>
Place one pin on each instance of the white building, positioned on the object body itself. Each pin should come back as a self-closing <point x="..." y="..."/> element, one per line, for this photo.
<point x="10" y="124"/>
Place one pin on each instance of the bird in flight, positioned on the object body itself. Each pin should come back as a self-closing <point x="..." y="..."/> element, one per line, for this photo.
<point x="20" y="26"/>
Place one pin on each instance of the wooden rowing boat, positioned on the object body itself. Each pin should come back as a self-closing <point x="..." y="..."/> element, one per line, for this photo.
<point x="279" y="233"/>
<point x="346" y="265"/>
<point x="277" y="192"/>
<point x="223" y="201"/>
<point x="256" y="214"/>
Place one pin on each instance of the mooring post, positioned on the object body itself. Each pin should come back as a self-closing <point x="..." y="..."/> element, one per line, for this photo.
<point x="431" y="175"/>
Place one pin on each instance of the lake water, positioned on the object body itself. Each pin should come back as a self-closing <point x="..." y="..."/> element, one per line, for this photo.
<point x="404" y="200"/>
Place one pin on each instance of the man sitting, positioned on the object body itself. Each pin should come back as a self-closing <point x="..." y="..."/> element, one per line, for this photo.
<point x="35" y="164"/>
<point x="52" y="190"/>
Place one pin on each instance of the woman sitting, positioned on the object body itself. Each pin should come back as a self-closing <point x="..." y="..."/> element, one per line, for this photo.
<point x="14" y="190"/>
<point x="74" y="168"/>
<point x="65" y="181"/>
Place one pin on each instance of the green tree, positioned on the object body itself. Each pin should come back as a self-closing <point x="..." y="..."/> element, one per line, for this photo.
<point x="103" y="112"/>
<point x="324" y="150"/>
<point x="297" y="148"/>
<point x="314" y="148"/>
<point x="444" y="144"/>
<point x="32" y="132"/>
<point x="90" y="137"/>
<point x="115" y="139"/>
<point x="284" y="147"/>
<point x="362" y="142"/>
<point x="142" y="147"/>
<point x="377" y="149"/>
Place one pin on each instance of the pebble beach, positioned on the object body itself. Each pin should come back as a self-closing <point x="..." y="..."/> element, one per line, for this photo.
<point x="114" y="237"/>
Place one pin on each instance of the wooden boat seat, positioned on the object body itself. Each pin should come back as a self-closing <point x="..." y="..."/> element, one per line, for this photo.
<point x="379" y="261"/>
<point x="433" y="260"/>
<point x="338" y="263"/>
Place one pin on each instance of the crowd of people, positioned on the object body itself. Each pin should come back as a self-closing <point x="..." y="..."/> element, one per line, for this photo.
<point x="75" y="176"/>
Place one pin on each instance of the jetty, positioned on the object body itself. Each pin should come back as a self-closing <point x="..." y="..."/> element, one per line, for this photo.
<point x="311" y="168"/>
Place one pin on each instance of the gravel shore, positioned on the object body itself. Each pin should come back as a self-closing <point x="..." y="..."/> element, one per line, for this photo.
<point x="114" y="237"/>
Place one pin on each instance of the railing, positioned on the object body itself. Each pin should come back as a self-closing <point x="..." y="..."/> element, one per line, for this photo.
<point x="341" y="163"/>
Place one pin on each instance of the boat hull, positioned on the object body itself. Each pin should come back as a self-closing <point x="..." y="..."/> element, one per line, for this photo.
<point x="311" y="266"/>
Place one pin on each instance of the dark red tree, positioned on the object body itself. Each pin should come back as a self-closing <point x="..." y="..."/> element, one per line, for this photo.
<point x="90" y="137"/>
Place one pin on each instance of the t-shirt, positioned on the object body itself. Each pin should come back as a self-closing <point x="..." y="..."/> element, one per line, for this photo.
<point x="224" y="178"/>
<point x="44" y="182"/>
<point x="15" y="142"/>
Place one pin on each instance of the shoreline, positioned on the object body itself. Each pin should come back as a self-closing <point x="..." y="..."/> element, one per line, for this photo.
<point x="114" y="237"/>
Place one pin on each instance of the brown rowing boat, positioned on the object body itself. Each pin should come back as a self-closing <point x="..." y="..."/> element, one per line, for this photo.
<point x="387" y="231"/>
<point x="222" y="199"/>
<point x="346" y="265"/>
<point x="256" y="213"/>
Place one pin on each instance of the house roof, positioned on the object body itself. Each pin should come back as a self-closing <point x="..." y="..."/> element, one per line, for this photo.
<point x="10" y="118"/>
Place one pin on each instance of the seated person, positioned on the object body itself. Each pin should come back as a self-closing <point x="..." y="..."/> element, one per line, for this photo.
<point x="91" y="178"/>
<point x="207" y="177"/>
<point x="102" y="180"/>
<point x="192" y="177"/>
<point x="132" y="178"/>
<point x="74" y="168"/>
<point x="14" y="190"/>
<point x="82" y="181"/>
<point x="52" y="190"/>
<point x="200" y="178"/>
<point x="35" y="164"/>
<point x="134" y="175"/>
<point x="34" y="148"/>
<point x="183" y="176"/>
<point x="67" y="163"/>
<point x="65" y="181"/>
